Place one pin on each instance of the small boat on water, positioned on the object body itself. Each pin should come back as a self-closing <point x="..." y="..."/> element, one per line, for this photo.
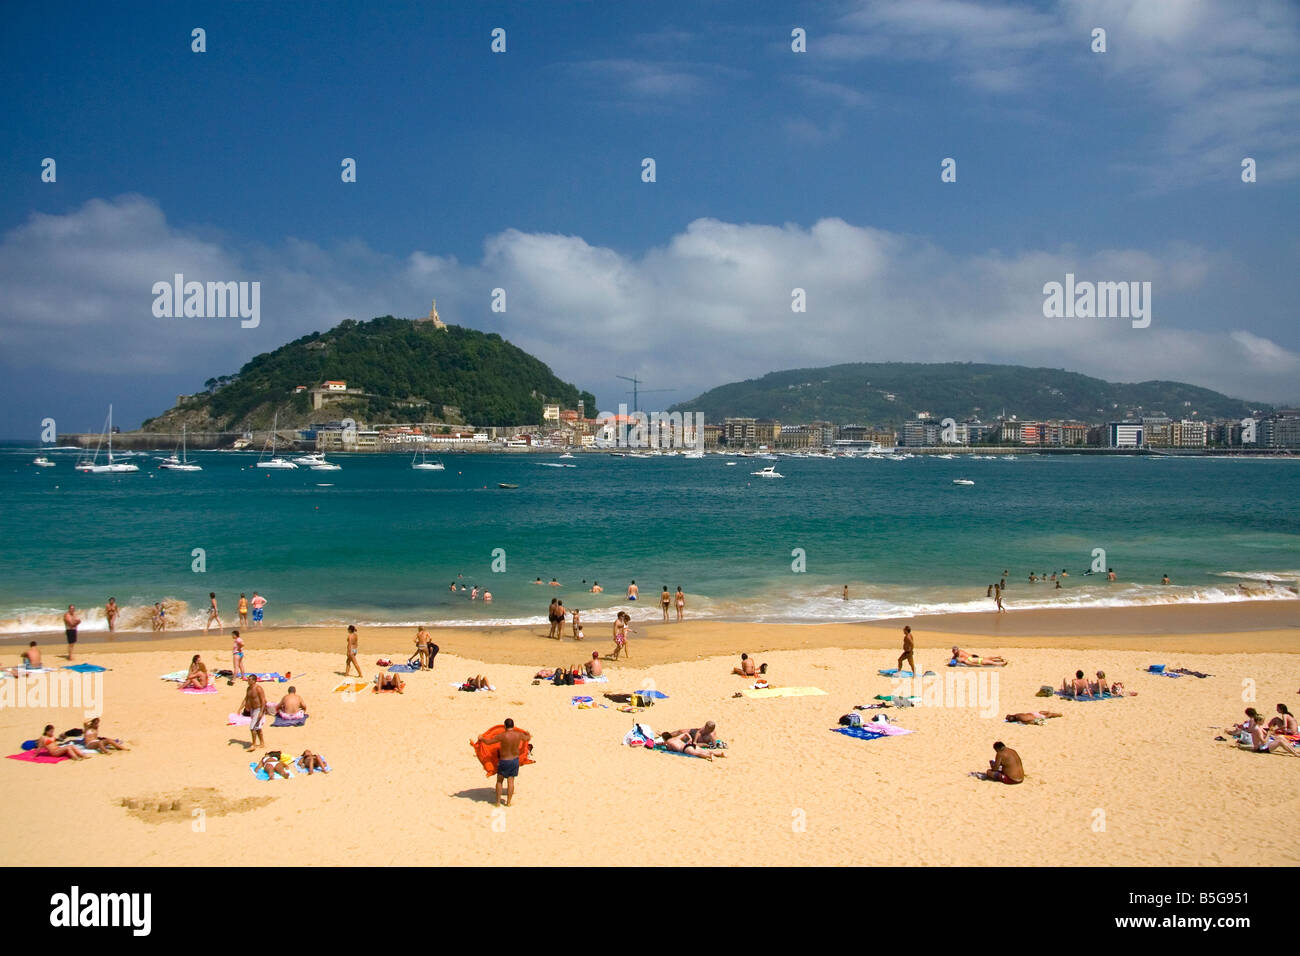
<point x="181" y="462"/>
<point x="420" y="462"/>
<point x="324" y="465"/>
<point x="567" y="455"/>
<point x="92" y="466"/>
<point x="768" y="472"/>
<point x="43" y="462"/>
<point x="730" y="464"/>
<point x="962" y="481"/>
<point x="502" y="484"/>
<point x="275" y="462"/>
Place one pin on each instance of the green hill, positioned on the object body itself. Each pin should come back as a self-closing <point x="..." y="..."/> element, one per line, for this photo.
<point x="887" y="393"/>
<point x="403" y="370"/>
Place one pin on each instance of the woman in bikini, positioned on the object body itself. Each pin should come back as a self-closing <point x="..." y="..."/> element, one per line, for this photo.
<point x="92" y="741"/>
<point x="620" y="636"/>
<point x="50" y="745"/>
<point x="353" y="640"/>
<point x="213" y="614"/>
<point x="197" y="677"/>
<point x="681" y="603"/>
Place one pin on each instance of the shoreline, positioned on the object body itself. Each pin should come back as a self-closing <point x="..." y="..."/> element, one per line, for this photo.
<point x="1273" y="626"/>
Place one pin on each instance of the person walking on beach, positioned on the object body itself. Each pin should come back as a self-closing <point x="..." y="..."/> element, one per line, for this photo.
<point x="353" y="641"/>
<point x="70" y="624"/>
<point x="255" y="707"/>
<point x="259" y="603"/>
<point x="512" y="744"/>
<point x="243" y="611"/>
<point x="620" y="635"/>
<point x="213" y="614"/>
<point x="907" y="651"/>
<point x="665" y="601"/>
<point x="681" y="604"/>
<point x="997" y="596"/>
<point x="111" y="612"/>
<point x="237" y="654"/>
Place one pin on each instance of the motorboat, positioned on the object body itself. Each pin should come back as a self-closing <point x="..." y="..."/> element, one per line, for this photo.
<point x="43" y="462"/>
<point x="768" y="472"/>
<point x="962" y="481"/>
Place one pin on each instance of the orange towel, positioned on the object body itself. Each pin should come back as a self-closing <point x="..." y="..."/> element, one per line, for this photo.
<point x="488" y="753"/>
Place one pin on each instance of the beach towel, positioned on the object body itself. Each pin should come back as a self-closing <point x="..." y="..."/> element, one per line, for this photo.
<point x="350" y="686"/>
<point x="488" y="754"/>
<point x="32" y="756"/>
<point x="954" y="663"/>
<point x="210" y="689"/>
<point x="889" y="730"/>
<point x="859" y="733"/>
<point x="297" y="765"/>
<point x="457" y="685"/>
<point x="784" y="692"/>
<point x="294" y="722"/>
<point x="85" y="668"/>
<point x="638" y="736"/>
<point x="274" y="677"/>
<point x="579" y="700"/>
<point x="238" y="720"/>
<point x="1085" y="700"/>
<point x="402" y="669"/>
<point x="263" y="775"/>
<point x="602" y="679"/>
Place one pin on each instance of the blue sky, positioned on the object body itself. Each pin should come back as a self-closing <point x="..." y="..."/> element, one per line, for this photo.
<point x="775" y="170"/>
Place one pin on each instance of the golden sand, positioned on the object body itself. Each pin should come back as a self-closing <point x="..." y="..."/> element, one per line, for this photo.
<point x="1139" y="781"/>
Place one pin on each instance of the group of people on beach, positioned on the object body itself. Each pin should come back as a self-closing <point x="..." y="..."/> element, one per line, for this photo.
<point x="1276" y="736"/>
<point x="214" y="614"/>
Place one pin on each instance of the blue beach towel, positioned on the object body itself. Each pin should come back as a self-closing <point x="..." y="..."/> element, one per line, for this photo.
<point x="859" y="733"/>
<point x="1086" y="700"/>
<point x="402" y="669"/>
<point x="263" y="775"/>
<point x="895" y="672"/>
<point x="86" y="668"/>
<point x="296" y="722"/>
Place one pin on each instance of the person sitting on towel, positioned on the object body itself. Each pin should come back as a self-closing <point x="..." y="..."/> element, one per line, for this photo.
<point x="32" y="657"/>
<point x="50" y="745"/>
<point x="389" y="682"/>
<point x="291" y="705"/>
<point x="197" y="676"/>
<point x="1101" y="688"/>
<point x="91" y="739"/>
<point x="1261" y="741"/>
<point x="1284" y="723"/>
<point x="1077" y="688"/>
<point x="747" y="668"/>
<point x="273" y="765"/>
<point x="681" y="743"/>
<point x="706" y="736"/>
<point x="311" y="762"/>
<point x="592" y="667"/>
<point x="1032" y="717"/>
<point x="974" y="660"/>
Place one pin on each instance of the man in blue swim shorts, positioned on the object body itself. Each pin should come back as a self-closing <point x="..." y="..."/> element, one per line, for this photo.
<point x="512" y="742"/>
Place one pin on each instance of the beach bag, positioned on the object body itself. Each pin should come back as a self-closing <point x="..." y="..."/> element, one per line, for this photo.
<point x="1045" y="691"/>
<point x="850" y="720"/>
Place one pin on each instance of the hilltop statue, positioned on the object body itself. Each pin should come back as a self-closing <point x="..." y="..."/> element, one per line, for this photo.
<point x="433" y="316"/>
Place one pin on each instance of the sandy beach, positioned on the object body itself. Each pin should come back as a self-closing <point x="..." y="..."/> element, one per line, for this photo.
<point x="1139" y="781"/>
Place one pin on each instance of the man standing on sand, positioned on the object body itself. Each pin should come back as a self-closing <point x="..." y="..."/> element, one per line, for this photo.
<point x="907" y="650"/>
<point x="70" y="624"/>
<point x="512" y="743"/>
<point x="259" y="602"/>
<point x="255" y="705"/>
<point x="1005" y="767"/>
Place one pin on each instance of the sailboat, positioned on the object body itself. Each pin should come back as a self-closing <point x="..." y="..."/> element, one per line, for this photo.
<point x="93" y="467"/>
<point x="275" y="461"/>
<point x="182" y="463"/>
<point x="419" y="463"/>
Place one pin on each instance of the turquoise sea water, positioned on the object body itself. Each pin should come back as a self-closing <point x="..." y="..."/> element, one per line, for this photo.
<point x="378" y="542"/>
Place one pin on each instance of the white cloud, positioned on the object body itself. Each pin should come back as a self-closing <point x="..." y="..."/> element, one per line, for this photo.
<point x="711" y="305"/>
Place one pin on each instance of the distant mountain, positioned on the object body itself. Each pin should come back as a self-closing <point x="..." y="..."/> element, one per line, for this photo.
<point x="396" y="370"/>
<point x="887" y="393"/>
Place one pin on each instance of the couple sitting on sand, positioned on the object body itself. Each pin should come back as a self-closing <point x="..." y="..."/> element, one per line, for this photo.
<point x="567" y="675"/>
<point x="747" y="668"/>
<point x="276" y="764"/>
<point x="67" y="745"/>
<point x="695" y="742"/>
<point x="1080" y="688"/>
<point x="1253" y="734"/>
<point x="967" y="659"/>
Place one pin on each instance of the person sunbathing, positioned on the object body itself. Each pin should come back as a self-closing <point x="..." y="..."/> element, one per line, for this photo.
<point x="50" y="745"/>
<point x="1031" y="717"/>
<point x="311" y="763"/>
<point x="273" y="765"/>
<point x="197" y="676"/>
<point x="1102" y="688"/>
<point x="747" y="668"/>
<point x="389" y="682"/>
<point x="974" y="660"/>
<point x="91" y="739"/>
<point x="1263" y="742"/>
<point x="479" y="682"/>
<point x="1078" y="688"/>
<point x="291" y="705"/>
<point x="1284" y="723"/>
<point x="546" y="673"/>
<point x="592" y="667"/>
<point x="705" y="736"/>
<point x="681" y="743"/>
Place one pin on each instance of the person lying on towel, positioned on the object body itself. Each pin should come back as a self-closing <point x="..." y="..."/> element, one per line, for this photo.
<point x="389" y="682"/>
<point x="681" y="743"/>
<point x="273" y="765"/>
<point x="974" y="660"/>
<point x="311" y="762"/>
<point x="1031" y="717"/>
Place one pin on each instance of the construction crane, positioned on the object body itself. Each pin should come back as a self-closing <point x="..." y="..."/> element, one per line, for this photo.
<point x="644" y="391"/>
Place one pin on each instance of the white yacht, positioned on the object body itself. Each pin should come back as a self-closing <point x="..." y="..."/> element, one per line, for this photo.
<point x="275" y="462"/>
<point x="421" y="463"/>
<point x="768" y="472"/>
<point x="962" y="481"/>
<point x="92" y="465"/>
<point x="181" y="463"/>
<point x="43" y="462"/>
<point x="322" y="465"/>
